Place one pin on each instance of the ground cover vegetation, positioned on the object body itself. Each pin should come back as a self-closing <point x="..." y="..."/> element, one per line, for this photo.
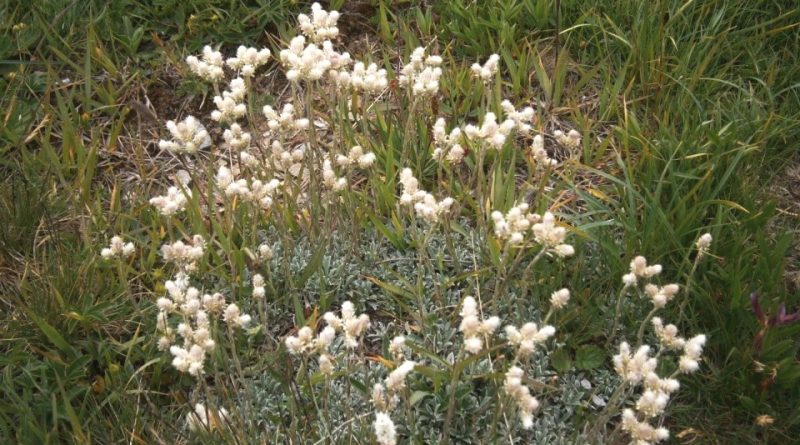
<point x="522" y="221"/>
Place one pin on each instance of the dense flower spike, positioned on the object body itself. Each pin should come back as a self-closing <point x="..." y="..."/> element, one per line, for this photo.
<point x="209" y="66"/>
<point x="692" y="354"/>
<point x="236" y="138"/>
<point x="667" y="335"/>
<point x="490" y="132"/>
<point x="369" y="79"/>
<point x="117" y="249"/>
<point x="522" y="118"/>
<point x="642" y="432"/>
<point x="356" y="157"/>
<point x="448" y="146"/>
<point x="539" y="154"/>
<point x="284" y="122"/>
<point x="184" y="255"/>
<point x="640" y="269"/>
<point x="633" y="367"/>
<point x="351" y="325"/>
<point x="559" y="298"/>
<point x="188" y="136"/>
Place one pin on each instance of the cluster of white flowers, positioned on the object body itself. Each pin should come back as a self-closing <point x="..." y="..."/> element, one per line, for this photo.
<point x="284" y="122"/>
<point x="640" y="269"/>
<point x="692" y="354"/>
<point x="396" y="347"/>
<point x="641" y="431"/>
<point x="522" y="118"/>
<point x="490" y="132"/>
<point x="425" y="204"/>
<point x="236" y="138"/>
<point x="188" y="136"/>
<point x="206" y="419"/>
<point x="117" y="249"/>
<point x="349" y="323"/>
<point x="703" y="244"/>
<point x="448" y="146"/>
<point x="634" y="367"/>
<point x="660" y="296"/>
<point x="521" y="394"/>
<point x="287" y="160"/>
<point x="255" y="190"/>
<point x="384" y="429"/>
<point x="184" y="255"/>
<point x="367" y="79"/>
<point x="552" y="237"/>
<point x="229" y="105"/>
<point x="667" y="335"/>
<point x="329" y="178"/>
<point x="488" y="70"/>
<point x="259" y="291"/>
<point x="474" y="326"/>
<point x="356" y="156"/>
<point x="421" y="74"/>
<point x="559" y="298"/>
<point x="528" y="337"/>
<point x="173" y="202"/>
<point x="311" y="62"/>
<point x="514" y="224"/>
<point x="571" y="140"/>
<point x="194" y="312"/>
<point x="305" y="341"/>
<point x="264" y="252"/>
<point x="321" y="25"/>
<point x="539" y="154"/>
<point x="248" y="60"/>
<point x="385" y="398"/>
<point x="209" y="66"/>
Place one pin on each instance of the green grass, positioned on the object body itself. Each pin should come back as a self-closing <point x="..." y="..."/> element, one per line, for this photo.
<point x="687" y="110"/>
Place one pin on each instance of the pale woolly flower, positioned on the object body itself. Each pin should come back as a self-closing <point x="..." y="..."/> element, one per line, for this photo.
<point x="191" y="361"/>
<point x="447" y="145"/>
<point x="285" y="121"/>
<point x="321" y="25"/>
<point x="396" y="347"/>
<point x="633" y="368"/>
<point x="236" y="138"/>
<point x="528" y="337"/>
<point x="539" y="154"/>
<point x="421" y="73"/>
<point x="228" y="109"/>
<point x="474" y="327"/>
<point x="692" y="354"/>
<point x="234" y="318"/>
<point x="173" y="202"/>
<point x="492" y="133"/>
<point x="703" y="244"/>
<point x="559" y="298"/>
<point x="667" y="335"/>
<point x="209" y="66"/>
<point x="642" y="433"/>
<point x="487" y="71"/>
<point x="522" y="118"/>
<point x="117" y="248"/>
<point x="384" y="429"/>
<point x="515" y="224"/>
<point x="521" y="394"/>
<point x="396" y="380"/>
<point x="325" y="364"/>
<point x="247" y="60"/>
<point x="304" y="62"/>
<point x="265" y="252"/>
<point x="188" y="136"/>
<point x="380" y="400"/>
<point x="655" y="383"/>
<point x="571" y="140"/>
<point x="184" y="255"/>
<point x="660" y="296"/>
<point x="425" y="205"/>
<point x="258" y="286"/>
<point x="329" y="178"/>
<point x="652" y="403"/>
<point x="369" y="79"/>
<point x="356" y="157"/>
<point x="552" y="237"/>
<point x="640" y="268"/>
<point x="352" y="325"/>
<point x="206" y="419"/>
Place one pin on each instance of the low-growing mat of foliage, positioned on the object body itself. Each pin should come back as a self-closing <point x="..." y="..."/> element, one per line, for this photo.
<point x="441" y="239"/>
